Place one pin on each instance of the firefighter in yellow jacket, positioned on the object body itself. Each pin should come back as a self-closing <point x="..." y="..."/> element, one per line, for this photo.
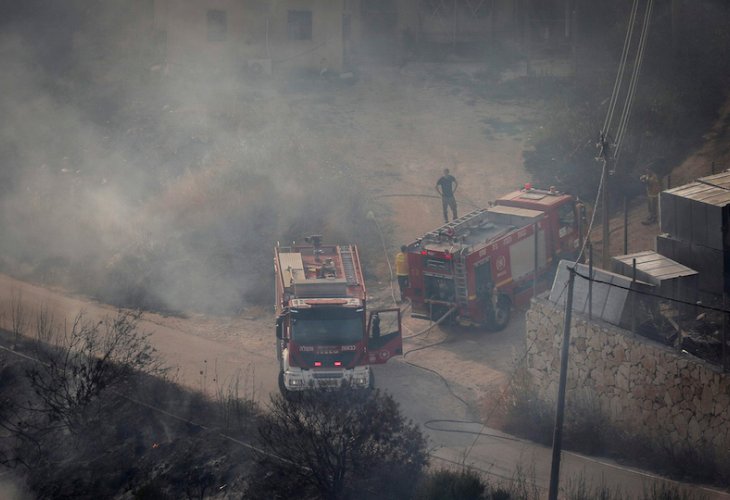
<point x="401" y="270"/>
<point x="653" y="187"/>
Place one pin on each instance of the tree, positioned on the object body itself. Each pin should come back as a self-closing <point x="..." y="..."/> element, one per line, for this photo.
<point x="344" y="444"/>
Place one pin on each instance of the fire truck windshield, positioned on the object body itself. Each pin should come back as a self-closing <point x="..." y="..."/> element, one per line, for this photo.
<point x="327" y="326"/>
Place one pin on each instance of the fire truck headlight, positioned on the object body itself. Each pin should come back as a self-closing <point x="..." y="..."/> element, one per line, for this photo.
<point x="360" y="380"/>
<point x="295" y="382"/>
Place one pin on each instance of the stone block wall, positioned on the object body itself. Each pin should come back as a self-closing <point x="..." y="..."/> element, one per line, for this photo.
<point x="649" y="388"/>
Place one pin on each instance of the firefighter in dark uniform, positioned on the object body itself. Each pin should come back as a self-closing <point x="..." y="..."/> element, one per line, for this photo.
<point x="446" y="186"/>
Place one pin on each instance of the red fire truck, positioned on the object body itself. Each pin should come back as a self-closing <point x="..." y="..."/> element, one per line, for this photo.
<point x="323" y="338"/>
<point x="477" y="267"/>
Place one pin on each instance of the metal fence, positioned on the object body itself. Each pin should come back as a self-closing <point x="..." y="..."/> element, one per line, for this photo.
<point x="699" y="326"/>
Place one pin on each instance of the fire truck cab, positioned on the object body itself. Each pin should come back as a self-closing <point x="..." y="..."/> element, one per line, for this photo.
<point x="323" y="336"/>
<point x="477" y="267"/>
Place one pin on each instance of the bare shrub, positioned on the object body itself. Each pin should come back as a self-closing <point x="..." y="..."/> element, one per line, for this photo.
<point x="337" y="444"/>
<point x="578" y="488"/>
<point x="527" y="415"/>
<point x="235" y="399"/>
<point x="444" y="484"/>
<point x="18" y="316"/>
<point x="45" y="326"/>
<point x="666" y="491"/>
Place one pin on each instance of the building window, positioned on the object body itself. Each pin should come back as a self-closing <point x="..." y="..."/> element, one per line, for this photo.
<point x="299" y="24"/>
<point x="217" y="25"/>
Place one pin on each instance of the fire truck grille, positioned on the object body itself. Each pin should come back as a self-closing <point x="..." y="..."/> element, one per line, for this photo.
<point x="328" y="360"/>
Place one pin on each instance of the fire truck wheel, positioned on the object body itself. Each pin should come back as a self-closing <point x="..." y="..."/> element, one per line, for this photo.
<point x="371" y="382"/>
<point x="499" y="319"/>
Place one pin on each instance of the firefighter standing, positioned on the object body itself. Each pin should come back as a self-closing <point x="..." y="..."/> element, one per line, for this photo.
<point x="401" y="271"/>
<point x="653" y="187"/>
<point x="448" y="185"/>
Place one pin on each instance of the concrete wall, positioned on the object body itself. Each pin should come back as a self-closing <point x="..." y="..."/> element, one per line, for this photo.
<point x="256" y="29"/>
<point x="640" y="385"/>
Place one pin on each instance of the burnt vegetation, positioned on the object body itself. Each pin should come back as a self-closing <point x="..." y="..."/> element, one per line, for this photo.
<point x="92" y="415"/>
<point x="88" y="411"/>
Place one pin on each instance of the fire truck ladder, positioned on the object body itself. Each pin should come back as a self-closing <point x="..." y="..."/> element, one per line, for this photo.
<point x="460" y="288"/>
<point x="348" y="266"/>
<point x="457" y="224"/>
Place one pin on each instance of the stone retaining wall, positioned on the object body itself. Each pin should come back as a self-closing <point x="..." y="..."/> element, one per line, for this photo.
<point x="639" y="384"/>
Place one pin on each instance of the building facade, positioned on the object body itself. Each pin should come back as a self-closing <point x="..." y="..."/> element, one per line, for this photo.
<point x="250" y="35"/>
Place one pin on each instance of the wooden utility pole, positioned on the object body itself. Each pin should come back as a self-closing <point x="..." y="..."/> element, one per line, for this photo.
<point x="605" y="260"/>
<point x="559" y="414"/>
<point x="626" y="226"/>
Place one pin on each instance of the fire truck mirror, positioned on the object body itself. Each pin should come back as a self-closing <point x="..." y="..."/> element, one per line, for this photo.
<point x="279" y="327"/>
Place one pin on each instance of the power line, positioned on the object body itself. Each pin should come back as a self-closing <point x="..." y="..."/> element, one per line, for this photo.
<point x="654" y="295"/>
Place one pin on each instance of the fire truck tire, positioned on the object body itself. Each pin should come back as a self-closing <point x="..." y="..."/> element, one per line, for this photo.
<point x="500" y="318"/>
<point x="371" y="382"/>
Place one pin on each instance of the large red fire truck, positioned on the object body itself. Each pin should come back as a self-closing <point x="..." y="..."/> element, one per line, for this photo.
<point x="478" y="266"/>
<point x="323" y="338"/>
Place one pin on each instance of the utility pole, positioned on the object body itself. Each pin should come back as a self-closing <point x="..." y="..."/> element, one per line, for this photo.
<point x="559" y="414"/>
<point x="603" y="155"/>
<point x="605" y="217"/>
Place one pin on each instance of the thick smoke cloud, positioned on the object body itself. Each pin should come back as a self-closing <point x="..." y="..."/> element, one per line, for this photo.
<point x="149" y="190"/>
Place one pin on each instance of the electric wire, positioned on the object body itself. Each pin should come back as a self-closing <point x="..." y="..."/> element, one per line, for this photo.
<point x="593" y="214"/>
<point x="650" y="294"/>
<point x="623" y="126"/>
<point x="171" y="415"/>
<point x="617" y="84"/>
<point x="638" y="59"/>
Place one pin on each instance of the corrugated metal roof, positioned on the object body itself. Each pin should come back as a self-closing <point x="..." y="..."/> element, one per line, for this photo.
<point x="712" y="190"/>
<point x="658" y="267"/>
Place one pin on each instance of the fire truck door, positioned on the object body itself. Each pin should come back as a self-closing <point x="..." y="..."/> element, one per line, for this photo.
<point x="385" y="339"/>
